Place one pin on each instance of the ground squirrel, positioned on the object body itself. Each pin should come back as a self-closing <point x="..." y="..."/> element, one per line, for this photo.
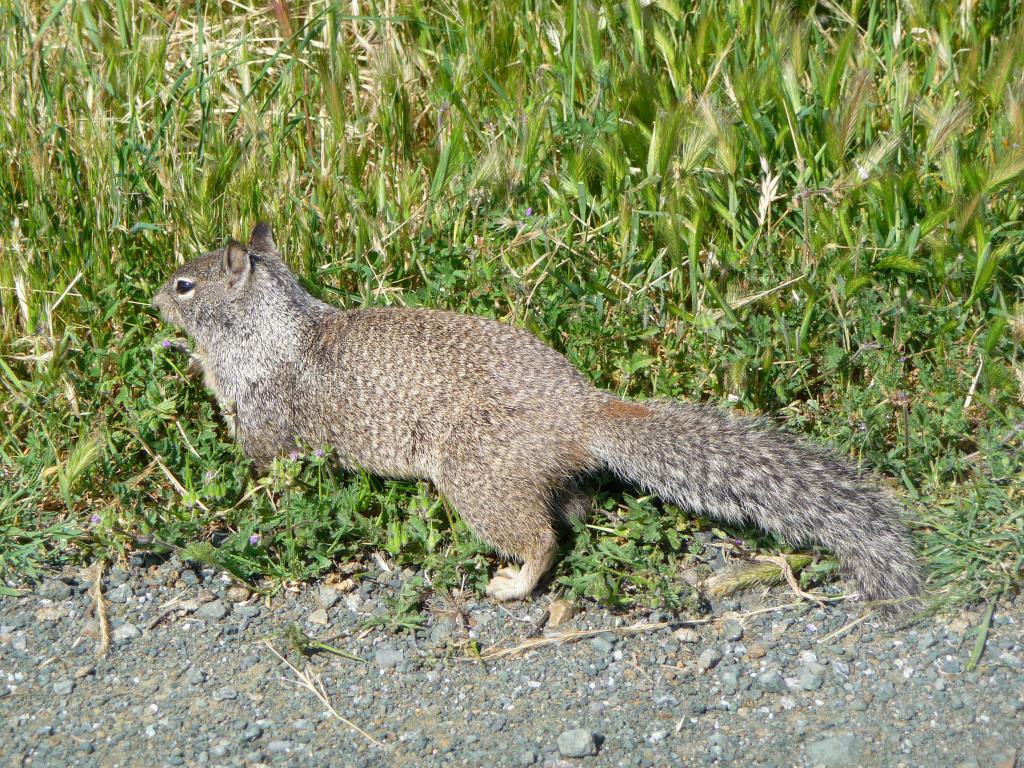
<point x="504" y="426"/>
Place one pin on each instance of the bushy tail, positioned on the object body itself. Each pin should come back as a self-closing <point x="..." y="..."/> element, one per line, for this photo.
<point x="739" y="471"/>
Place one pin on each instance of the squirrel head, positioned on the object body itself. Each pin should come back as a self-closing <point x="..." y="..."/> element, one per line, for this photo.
<point x="232" y="293"/>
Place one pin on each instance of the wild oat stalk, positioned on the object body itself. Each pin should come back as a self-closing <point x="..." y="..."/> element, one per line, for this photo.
<point x="763" y="573"/>
<point x="100" y="608"/>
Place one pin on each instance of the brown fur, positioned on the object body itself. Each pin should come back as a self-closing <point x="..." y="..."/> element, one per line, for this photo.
<point x="615" y="408"/>
<point x="504" y="426"/>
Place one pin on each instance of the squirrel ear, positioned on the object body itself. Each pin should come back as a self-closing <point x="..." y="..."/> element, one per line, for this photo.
<point x="237" y="264"/>
<point x="262" y="238"/>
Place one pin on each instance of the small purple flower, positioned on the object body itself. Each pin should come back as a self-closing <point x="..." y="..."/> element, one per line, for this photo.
<point x="254" y="539"/>
<point x="529" y="211"/>
<point x="293" y="456"/>
<point x="319" y="453"/>
<point x="165" y="344"/>
<point x="95" y="519"/>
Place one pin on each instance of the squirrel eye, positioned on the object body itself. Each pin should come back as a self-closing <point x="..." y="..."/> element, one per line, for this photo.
<point x="182" y="287"/>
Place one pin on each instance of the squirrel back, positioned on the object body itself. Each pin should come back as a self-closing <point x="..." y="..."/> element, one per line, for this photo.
<point x="504" y="426"/>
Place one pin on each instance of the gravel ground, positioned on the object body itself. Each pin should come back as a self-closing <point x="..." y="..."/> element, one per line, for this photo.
<point x="781" y="687"/>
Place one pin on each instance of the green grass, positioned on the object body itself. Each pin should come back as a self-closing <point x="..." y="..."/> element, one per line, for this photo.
<point x="813" y="211"/>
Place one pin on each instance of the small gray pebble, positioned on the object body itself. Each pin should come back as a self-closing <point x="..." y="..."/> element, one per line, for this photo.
<point x="602" y="644"/>
<point x="224" y="694"/>
<point x="221" y="749"/>
<point x="63" y="687"/>
<point x="212" y="611"/>
<point x="441" y="631"/>
<point x="280" y="746"/>
<point x="835" y="751"/>
<point x="387" y="658"/>
<point x="708" y="658"/>
<point x="54" y="589"/>
<point x="125" y="632"/>
<point x="772" y="681"/>
<point x="730" y="679"/>
<point x="732" y="630"/>
<point x="926" y="641"/>
<point x="247" y="611"/>
<point x="578" y="742"/>
<point x="529" y="756"/>
<point x="117" y="577"/>
<point x="119" y="594"/>
<point x="252" y="733"/>
<point x="809" y="681"/>
<point x="950" y="666"/>
<point x="328" y="596"/>
<point x="815" y="668"/>
<point x="195" y="676"/>
<point x="885" y="692"/>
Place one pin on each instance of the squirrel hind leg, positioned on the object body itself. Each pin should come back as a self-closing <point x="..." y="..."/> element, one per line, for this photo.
<point x="511" y="583"/>
<point x="517" y="583"/>
<point x="514" y="520"/>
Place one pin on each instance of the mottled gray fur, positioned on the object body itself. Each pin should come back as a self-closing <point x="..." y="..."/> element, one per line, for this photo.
<point x="503" y="425"/>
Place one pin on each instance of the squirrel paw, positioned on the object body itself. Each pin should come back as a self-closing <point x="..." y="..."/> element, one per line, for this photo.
<point x="508" y="584"/>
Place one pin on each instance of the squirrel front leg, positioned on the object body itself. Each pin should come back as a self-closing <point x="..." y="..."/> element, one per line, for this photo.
<point x="197" y="366"/>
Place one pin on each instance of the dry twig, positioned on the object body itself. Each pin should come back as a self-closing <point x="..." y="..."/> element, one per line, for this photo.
<point x="311" y="681"/>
